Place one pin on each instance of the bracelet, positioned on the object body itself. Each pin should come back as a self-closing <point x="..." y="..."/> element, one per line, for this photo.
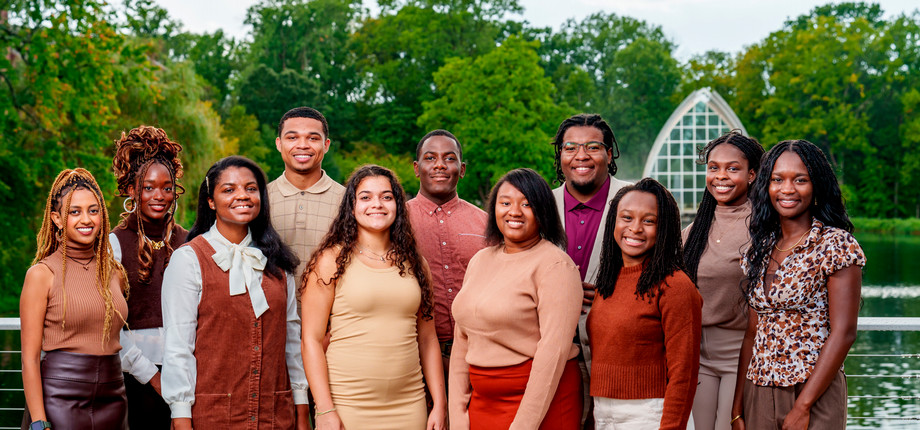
<point x="325" y="412"/>
<point x="734" y="419"/>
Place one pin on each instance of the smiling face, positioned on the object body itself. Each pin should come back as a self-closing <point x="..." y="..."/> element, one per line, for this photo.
<point x="84" y="218"/>
<point x="791" y="190"/>
<point x="636" y="228"/>
<point x="584" y="173"/>
<point x="236" y="199"/>
<point x="515" y="219"/>
<point x="728" y="175"/>
<point x="375" y="204"/>
<point x="302" y="145"/>
<point x="157" y="193"/>
<point x="439" y="169"/>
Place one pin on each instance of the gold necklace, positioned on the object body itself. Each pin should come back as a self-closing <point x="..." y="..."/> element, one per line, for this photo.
<point x="155" y="245"/>
<point x="719" y="240"/>
<point x="376" y="255"/>
<point x="776" y="245"/>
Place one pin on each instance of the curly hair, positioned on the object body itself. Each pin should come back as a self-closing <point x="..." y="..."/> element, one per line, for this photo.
<point x="59" y="198"/>
<point x="585" y="120"/>
<point x="665" y="256"/>
<point x="344" y="234"/>
<point x="135" y="152"/>
<point x="826" y="205"/>
<point x="699" y="231"/>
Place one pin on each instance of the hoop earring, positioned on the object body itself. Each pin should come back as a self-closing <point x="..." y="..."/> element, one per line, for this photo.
<point x="59" y="235"/>
<point x="125" y="205"/>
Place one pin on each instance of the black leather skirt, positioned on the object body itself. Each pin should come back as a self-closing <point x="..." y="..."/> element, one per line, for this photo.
<point x="83" y="391"/>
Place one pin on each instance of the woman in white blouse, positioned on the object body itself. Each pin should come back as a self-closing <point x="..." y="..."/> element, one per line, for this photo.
<point x="232" y="348"/>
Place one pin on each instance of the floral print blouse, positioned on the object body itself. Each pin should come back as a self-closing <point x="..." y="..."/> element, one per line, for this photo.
<point x="793" y="322"/>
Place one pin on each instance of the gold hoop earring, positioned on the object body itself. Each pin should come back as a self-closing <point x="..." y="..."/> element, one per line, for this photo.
<point x="59" y="235"/>
<point x="125" y="205"/>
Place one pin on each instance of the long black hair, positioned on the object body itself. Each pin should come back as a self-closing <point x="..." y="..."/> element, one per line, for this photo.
<point x="665" y="257"/>
<point x="585" y="120"/>
<point x="826" y="205"/>
<point x="344" y="233"/>
<point x="280" y="257"/>
<point x="539" y="195"/>
<point x="699" y="231"/>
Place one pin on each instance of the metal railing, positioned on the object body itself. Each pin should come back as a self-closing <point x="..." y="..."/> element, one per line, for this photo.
<point x="867" y="324"/>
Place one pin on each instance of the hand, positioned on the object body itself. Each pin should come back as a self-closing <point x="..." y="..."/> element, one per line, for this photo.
<point x="302" y="417"/>
<point x="797" y="418"/>
<point x="329" y="421"/>
<point x="182" y="424"/>
<point x="738" y="424"/>
<point x="437" y="419"/>
<point x="589" y="292"/>
<point x="155" y="383"/>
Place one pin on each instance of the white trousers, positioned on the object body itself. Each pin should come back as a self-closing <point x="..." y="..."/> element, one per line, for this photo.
<point x="628" y="414"/>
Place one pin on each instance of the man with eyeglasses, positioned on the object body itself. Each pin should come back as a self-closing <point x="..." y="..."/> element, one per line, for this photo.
<point x="586" y="153"/>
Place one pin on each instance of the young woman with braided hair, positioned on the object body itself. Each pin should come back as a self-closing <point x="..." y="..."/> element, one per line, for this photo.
<point x="147" y="168"/>
<point x="713" y="246"/>
<point x="72" y="308"/>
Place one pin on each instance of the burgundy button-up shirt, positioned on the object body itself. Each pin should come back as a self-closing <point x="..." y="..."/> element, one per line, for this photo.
<point x="448" y="236"/>
<point x="582" y="220"/>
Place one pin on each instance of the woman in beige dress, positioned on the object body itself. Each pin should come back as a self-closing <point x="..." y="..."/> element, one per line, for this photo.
<point x="367" y="283"/>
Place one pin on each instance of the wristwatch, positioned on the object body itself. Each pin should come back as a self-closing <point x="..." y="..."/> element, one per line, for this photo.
<point x="39" y="425"/>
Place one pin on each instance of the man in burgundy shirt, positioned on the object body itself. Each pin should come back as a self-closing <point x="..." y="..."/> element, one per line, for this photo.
<point x="449" y="230"/>
<point x="586" y="153"/>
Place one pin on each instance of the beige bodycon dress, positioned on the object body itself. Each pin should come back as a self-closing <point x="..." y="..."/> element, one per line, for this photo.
<point x="373" y="357"/>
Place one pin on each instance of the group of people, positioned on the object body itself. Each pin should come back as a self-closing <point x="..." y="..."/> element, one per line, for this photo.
<point x="583" y="306"/>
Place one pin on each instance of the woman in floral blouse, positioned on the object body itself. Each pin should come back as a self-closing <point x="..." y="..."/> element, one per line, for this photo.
<point x="803" y="286"/>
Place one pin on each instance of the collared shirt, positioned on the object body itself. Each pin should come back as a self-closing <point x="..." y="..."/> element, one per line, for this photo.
<point x="303" y="217"/>
<point x="448" y="236"/>
<point x="793" y="317"/>
<point x="582" y="221"/>
<point x="182" y="286"/>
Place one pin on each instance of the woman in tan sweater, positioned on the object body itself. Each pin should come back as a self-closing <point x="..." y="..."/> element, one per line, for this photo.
<point x="72" y="308"/>
<point x="713" y="246"/>
<point x="513" y="361"/>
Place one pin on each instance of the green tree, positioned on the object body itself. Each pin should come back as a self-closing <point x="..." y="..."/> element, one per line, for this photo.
<point x="500" y="105"/>
<point x="712" y="69"/>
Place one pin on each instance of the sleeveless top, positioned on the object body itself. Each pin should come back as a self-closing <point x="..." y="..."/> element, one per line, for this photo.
<point x="85" y="308"/>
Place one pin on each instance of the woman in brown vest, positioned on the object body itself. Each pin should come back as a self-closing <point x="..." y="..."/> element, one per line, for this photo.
<point x="232" y="345"/>
<point x="147" y="168"/>
<point x="72" y="308"/>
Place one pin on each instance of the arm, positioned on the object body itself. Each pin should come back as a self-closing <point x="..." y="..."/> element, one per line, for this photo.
<point x="294" y="358"/>
<point x="33" y="304"/>
<point x="180" y="298"/>
<point x="459" y="386"/>
<point x="133" y="361"/>
<point x="430" y="354"/>
<point x="843" y="293"/>
<point x="558" y="299"/>
<point x="681" y="309"/>
<point x="316" y="305"/>
<point x="744" y="360"/>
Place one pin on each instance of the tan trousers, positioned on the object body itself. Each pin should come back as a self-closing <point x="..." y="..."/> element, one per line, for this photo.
<point x="712" y="405"/>
<point x="766" y="407"/>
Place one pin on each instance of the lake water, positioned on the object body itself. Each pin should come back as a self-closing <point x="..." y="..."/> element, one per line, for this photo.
<point x="891" y="288"/>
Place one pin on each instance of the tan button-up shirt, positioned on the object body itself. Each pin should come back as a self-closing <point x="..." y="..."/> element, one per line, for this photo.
<point x="303" y="217"/>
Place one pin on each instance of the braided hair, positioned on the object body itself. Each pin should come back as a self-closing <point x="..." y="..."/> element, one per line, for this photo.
<point x="52" y="239"/>
<point x="702" y="224"/>
<point x="585" y="120"/>
<point x="135" y="152"/>
<point x="826" y="205"/>
<point x="665" y="256"/>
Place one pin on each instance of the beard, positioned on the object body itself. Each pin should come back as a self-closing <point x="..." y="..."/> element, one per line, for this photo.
<point x="585" y="188"/>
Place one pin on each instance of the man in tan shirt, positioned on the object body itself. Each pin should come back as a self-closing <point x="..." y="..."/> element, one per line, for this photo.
<point x="304" y="200"/>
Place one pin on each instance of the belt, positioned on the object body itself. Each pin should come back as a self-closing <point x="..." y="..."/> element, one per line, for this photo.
<point x="446" y="347"/>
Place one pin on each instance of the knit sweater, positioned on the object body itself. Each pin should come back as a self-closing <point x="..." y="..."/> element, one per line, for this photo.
<point x="74" y="300"/>
<point x="513" y="308"/>
<point x="719" y="273"/>
<point x="648" y="348"/>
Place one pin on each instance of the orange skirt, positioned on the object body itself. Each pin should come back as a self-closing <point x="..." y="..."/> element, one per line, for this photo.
<point x="497" y="393"/>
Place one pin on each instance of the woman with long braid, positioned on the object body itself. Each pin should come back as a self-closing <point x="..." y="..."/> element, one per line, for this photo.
<point x="713" y="246"/>
<point x="147" y="168"/>
<point x="72" y="308"/>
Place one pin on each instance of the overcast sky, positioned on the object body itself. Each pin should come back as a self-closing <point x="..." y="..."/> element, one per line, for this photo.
<point x="696" y="25"/>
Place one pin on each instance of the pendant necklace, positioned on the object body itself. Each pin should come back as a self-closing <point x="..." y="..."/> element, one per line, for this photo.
<point x="375" y="255"/>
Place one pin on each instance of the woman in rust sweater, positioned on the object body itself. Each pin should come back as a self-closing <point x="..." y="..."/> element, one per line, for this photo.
<point x="644" y="326"/>
<point x="513" y="361"/>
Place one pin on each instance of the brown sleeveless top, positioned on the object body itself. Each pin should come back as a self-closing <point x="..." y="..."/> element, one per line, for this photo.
<point x="144" y="304"/>
<point x="85" y="308"/>
<point x="243" y="382"/>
